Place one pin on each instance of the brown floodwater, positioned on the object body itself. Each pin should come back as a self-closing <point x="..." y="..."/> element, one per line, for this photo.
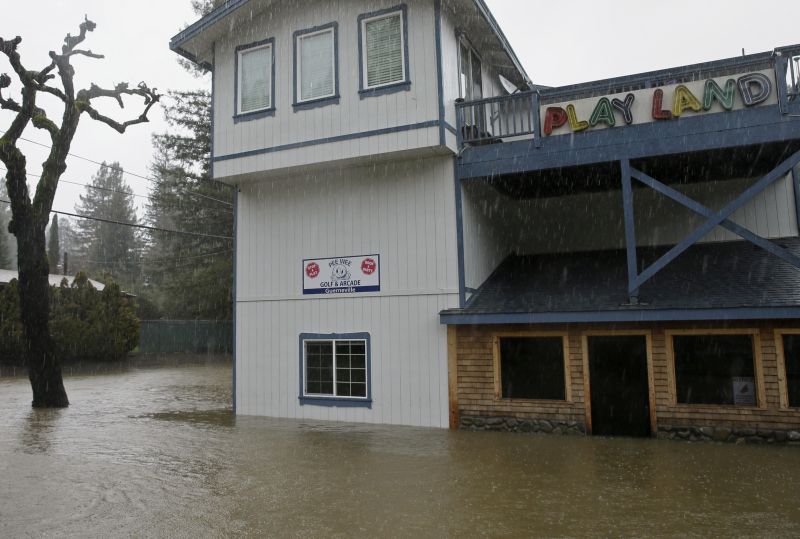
<point x="156" y="452"/>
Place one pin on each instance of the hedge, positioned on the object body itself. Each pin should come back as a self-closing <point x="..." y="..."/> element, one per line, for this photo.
<point x="86" y="324"/>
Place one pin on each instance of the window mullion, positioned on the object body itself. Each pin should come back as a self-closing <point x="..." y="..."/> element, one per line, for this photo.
<point x="335" y="390"/>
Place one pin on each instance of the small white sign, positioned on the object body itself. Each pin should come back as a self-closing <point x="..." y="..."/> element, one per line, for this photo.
<point x="342" y="275"/>
<point x="744" y="391"/>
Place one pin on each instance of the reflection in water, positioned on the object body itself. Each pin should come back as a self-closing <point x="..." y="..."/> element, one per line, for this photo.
<point x="156" y="452"/>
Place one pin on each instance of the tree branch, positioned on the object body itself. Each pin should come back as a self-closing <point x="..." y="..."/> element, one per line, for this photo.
<point x="7" y="103"/>
<point x="150" y="96"/>
<point x="54" y="91"/>
<point x="41" y="121"/>
<point x="9" y="48"/>
<point x="88" y="54"/>
<point x="71" y="42"/>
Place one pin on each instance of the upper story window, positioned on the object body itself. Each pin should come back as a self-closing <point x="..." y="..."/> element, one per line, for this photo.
<point x="384" y="49"/>
<point x="316" y="70"/>
<point x="255" y="77"/>
<point x="469" y="72"/>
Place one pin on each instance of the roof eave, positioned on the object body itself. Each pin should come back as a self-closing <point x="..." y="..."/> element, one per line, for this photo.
<point x="179" y="40"/>
<point x="193" y="30"/>
<point x="191" y="57"/>
<point x="492" y="22"/>
<point x="464" y="317"/>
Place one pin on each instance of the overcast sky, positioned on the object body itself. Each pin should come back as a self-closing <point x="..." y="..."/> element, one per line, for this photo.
<point x="558" y="43"/>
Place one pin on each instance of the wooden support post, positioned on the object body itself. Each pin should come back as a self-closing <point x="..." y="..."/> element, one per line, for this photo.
<point x="452" y="374"/>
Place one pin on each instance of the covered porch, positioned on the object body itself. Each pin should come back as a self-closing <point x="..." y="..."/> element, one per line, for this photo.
<point x="629" y="270"/>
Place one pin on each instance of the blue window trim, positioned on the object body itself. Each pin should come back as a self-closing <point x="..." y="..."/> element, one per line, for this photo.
<point x="401" y="86"/>
<point x="261" y="113"/>
<point x="322" y="101"/>
<point x="342" y="402"/>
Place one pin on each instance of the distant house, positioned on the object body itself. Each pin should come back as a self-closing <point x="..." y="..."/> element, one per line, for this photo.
<point x="425" y="237"/>
<point x="6" y="276"/>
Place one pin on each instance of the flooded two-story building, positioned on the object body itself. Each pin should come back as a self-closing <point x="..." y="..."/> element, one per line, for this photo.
<point x="424" y="236"/>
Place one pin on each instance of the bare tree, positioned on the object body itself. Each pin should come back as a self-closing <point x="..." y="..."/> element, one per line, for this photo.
<point x="30" y="216"/>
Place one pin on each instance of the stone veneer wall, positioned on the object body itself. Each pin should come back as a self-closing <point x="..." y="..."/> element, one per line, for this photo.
<point x="476" y="405"/>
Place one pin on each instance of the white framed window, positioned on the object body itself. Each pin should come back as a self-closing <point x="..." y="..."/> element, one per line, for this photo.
<point x="255" y="77"/>
<point x="316" y="69"/>
<point x="469" y="72"/>
<point x="384" y="48"/>
<point x="335" y="366"/>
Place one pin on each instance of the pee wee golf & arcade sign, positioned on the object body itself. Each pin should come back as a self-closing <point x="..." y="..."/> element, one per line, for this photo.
<point x="342" y="275"/>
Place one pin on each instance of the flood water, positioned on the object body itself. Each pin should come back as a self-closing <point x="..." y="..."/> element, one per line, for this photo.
<point x="156" y="452"/>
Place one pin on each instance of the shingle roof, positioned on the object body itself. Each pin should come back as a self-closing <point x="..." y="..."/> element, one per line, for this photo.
<point x="707" y="276"/>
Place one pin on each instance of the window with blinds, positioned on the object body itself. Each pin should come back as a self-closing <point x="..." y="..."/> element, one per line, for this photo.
<point x="255" y="79"/>
<point x="316" y="65"/>
<point x="383" y="50"/>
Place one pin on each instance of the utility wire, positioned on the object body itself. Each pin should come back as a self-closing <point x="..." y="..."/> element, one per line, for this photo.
<point x="123" y="171"/>
<point x="122" y="192"/>
<point x="87" y="185"/>
<point x="147" y="261"/>
<point x="133" y="225"/>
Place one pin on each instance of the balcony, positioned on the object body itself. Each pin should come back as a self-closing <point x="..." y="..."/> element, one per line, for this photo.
<point x="751" y="101"/>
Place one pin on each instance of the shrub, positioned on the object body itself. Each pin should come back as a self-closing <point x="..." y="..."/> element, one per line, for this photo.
<point x="86" y="324"/>
<point x="10" y="327"/>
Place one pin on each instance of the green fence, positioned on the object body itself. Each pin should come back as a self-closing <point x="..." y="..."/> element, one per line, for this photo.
<point x="185" y="336"/>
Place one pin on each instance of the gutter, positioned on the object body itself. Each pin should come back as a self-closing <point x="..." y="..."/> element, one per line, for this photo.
<point x="203" y="24"/>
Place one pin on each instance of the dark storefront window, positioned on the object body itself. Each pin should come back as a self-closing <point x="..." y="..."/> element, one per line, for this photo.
<point x="532" y="368"/>
<point x="791" y="358"/>
<point x="715" y="369"/>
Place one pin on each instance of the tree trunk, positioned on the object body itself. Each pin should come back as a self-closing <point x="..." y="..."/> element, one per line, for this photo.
<point x="44" y="369"/>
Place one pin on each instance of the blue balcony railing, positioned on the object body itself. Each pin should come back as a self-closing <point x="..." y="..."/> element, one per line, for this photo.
<point x="516" y="117"/>
<point x="496" y="119"/>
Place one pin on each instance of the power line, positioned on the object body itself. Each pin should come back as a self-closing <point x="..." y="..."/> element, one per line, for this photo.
<point x="122" y="192"/>
<point x="89" y="160"/>
<point x="133" y="225"/>
<point x="87" y="185"/>
<point x="148" y="261"/>
<point x="123" y="171"/>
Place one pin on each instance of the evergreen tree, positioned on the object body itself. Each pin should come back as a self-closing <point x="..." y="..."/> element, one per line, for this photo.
<point x="67" y="237"/>
<point x="54" y="246"/>
<point x="189" y="277"/>
<point x="5" y="255"/>
<point x="107" y="248"/>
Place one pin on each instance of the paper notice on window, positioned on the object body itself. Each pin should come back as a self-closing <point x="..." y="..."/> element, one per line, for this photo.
<point x="744" y="391"/>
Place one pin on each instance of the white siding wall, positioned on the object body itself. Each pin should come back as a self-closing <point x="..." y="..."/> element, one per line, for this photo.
<point x="352" y="115"/>
<point x="486" y="242"/>
<point x="406" y="213"/>
<point x="588" y="222"/>
<point x="449" y="70"/>
<point x="452" y="23"/>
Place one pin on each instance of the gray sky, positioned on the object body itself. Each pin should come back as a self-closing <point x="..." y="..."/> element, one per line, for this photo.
<point x="558" y="43"/>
